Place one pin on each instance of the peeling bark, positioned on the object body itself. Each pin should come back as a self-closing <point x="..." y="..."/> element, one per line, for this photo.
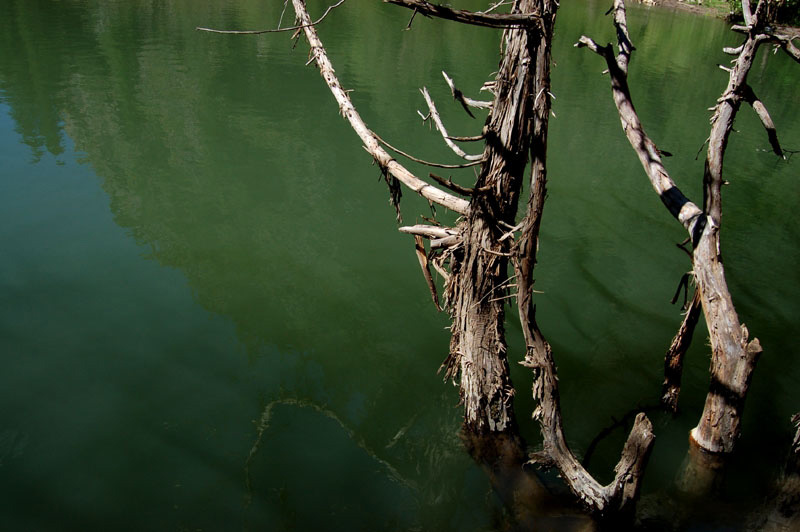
<point x="478" y="345"/>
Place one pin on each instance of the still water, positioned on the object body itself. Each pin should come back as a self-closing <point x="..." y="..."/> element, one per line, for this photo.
<point x="209" y="321"/>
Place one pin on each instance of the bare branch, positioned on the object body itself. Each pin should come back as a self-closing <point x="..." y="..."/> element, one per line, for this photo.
<point x="586" y="42"/>
<point x="278" y="29"/>
<point x="428" y="231"/>
<point x="763" y="115"/>
<point x="734" y="355"/>
<point x="422" y="161"/>
<point x="623" y="490"/>
<point x="464" y="191"/>
<point x="469" y="17"/>
<point x="447" y="242"/>
<point x="463" y="100"/>
<point x="434" y="114"/>
<point x="419" y="248"/>
<point x="748" y="15"/>
<point x="681" y="208"/>
<point x="785" y="42"/>
<point x="475" y="138"/>
<point x="623" y="38"/>
<point x="370" y="140"/>
<point x="673" y="360"/>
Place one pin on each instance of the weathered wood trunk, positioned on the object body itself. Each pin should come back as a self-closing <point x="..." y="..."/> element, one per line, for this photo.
<point x="479" y="279"/>
<point x="733" y="355"/>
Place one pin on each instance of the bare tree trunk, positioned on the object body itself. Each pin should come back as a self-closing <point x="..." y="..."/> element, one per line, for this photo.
<point x="478" y="283"/>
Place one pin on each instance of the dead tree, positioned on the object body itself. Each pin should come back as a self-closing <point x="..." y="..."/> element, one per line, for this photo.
<point x="734" y="354"/>
<point x="475" y="255"/>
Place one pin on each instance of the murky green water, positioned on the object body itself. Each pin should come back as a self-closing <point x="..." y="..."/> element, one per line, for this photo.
<point x="208" y="320"/>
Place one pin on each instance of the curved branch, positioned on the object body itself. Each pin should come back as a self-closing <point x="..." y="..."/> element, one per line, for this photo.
<point x="276" y="30"/>
<point x="434" y="114"/>
<point x="623" y="490"/>
<point x="468" y="17"/>
<point x="422" y="161"/>
<point x="688" y="213"/>
<point x="370" y="140"/>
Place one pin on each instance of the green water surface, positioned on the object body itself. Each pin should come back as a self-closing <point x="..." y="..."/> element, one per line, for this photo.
<point x="208" y="320"/>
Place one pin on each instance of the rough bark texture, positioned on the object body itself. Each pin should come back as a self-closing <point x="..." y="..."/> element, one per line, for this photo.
<point x="733" y="355"/>
<point x="478" y="280"/>
<point x="479" y="276"/>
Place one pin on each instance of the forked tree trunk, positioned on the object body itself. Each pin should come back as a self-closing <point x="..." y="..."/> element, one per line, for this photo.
<point x="733" y="353"/>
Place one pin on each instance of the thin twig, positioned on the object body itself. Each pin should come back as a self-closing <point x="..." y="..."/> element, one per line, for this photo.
<point x="278" y="29"/>
<point x="452" y="186"/>
<point x="434" y="114"/>
<point x="421" y="161"/>
<point x="475" y="138"/>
